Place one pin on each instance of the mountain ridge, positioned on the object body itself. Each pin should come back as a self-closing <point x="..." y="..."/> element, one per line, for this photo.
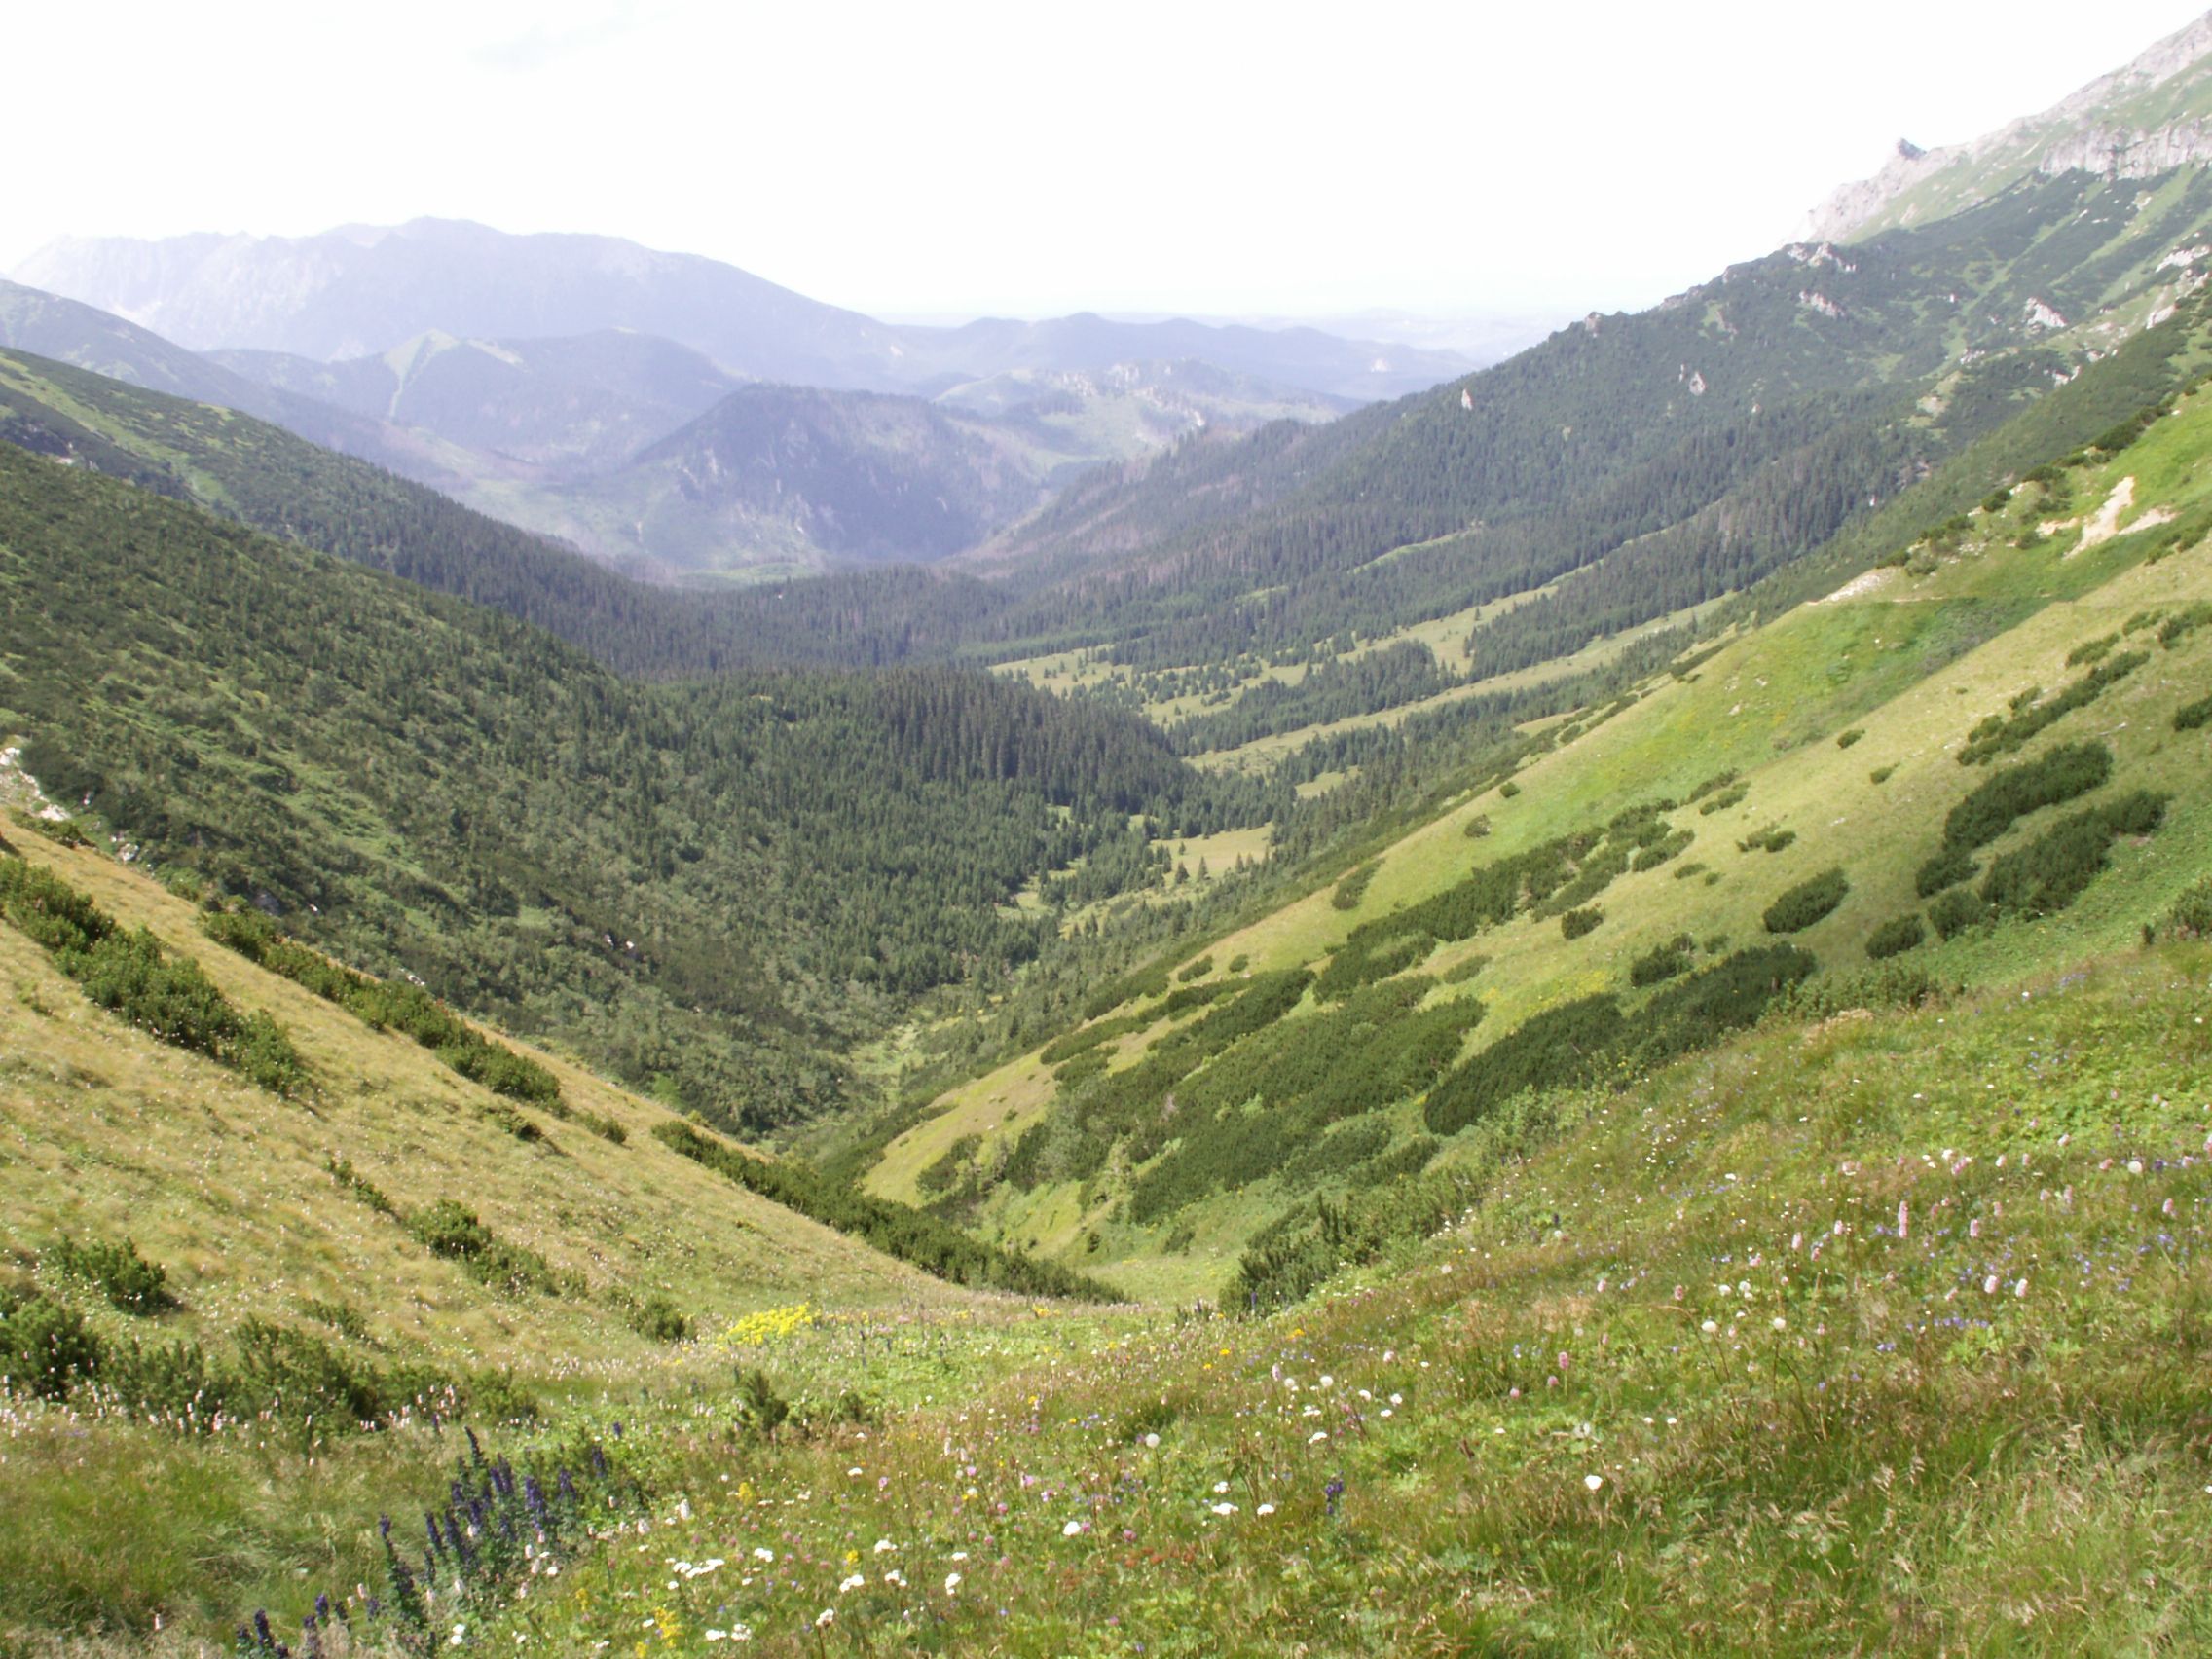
<point x="361" y="290"/>
<point x="2132" y="122"/>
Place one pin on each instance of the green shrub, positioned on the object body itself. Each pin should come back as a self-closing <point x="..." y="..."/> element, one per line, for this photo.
<point x="2061" y="774"/>
<point x="1661" y="963"/>
<point x="912" y="1236"/>
<point x="2183" y="623"/>
<point x="1711" y="786"/>
<point x="1881" y="774"/>
<point x="1733" y="795"/>
<point x="1198" y="969"/>
<point x="759" y="1410"/>
<point x="46" y="1350"/>
<point x="1845" y="739"/>
<point x="1689" y="870"/>
<point x="1353" y="887"/>
<point x="1800" y="906"/>
<point x="1360" y="962"/>
<point x="1896" y="936"/>
<point x="129" y="1282"/>
<point x="1478" y="827"/>
<point x="1408" y="1157"/>
<point x="2191" y="717"/>
<point x="1091" y="1063"/>
<point x="2092" y="651"/>
<point x="451" y="1230"/>
<point x="1660" y="852"/>
<point x="1772" y="839"/>
<point x="658" y="1319"/>
<point x="1459" y="973"/>
<point x="352" y="1180"/>
<point x="1999" y="735"/>
<point x="1508" y="789"/>
<point x="382" y="1004"/>
<point x="2191" y="914"/>
<point x="1888" y="985"/>
<point x="1091" y="1035"/>
<point x="63" y="832"/>
<point x="1956" y="911"/>
<point x="1560" y="1047"/>
<point x="943" y="1172"/>
<point x="1947" y="868"/>
<point x="1574" y="924"/>
<point x="131" y="975"/>
<point x="2051" y="871"/>
<point x="1187" y="997"/>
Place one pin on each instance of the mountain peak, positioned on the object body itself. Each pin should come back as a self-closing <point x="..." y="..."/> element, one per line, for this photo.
<point x="2150" y="115"/>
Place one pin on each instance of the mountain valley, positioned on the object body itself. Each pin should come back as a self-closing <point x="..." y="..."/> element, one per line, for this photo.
<point x="684" y="968"/>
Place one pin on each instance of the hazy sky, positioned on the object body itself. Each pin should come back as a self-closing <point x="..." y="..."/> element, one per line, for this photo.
<point x="1453" y="159"/>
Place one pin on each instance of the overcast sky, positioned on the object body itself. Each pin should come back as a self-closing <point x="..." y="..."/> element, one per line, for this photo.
<point x="1455" y="159"/>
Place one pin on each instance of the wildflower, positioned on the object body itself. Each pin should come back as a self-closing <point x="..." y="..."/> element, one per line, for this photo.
<point x="1318" y="1435"/>
<point x="1710" y="1328"/>
<point x="1593" y="1482"/>
<point x="1073" y="1529"/>
<point x="952" y="1583"/>
<point x="884" y="1546"/>
<point x="459" y="1636"/>
<point x="1223" y="1508"/>
<point x="1151" y="1440"/>
<point x="1265" y="1509"/>
<point x="764" y="1554"/>
<point x="851" y="1582"/>
<point x="825" y="1618"/>
<point x="1989" y="1285"/>
<point x="1220" y="1486"/>
<point x="1780" y="1323"/>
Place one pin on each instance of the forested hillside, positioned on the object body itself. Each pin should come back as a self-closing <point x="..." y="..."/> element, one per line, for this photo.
<point x="265" y="476"/>
<point x="1984" y="752"/>
<point x="1642" y="463"/>
<point x="711" y="888"/>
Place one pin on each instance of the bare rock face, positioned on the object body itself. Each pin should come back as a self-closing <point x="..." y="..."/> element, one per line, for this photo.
<point x="2119" y="154"/>
<point x="2135" y="122"/>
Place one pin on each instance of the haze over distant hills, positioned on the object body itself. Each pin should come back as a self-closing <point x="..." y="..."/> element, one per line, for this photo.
<point x="544" y="379"/>
<point x="359" y="290"/>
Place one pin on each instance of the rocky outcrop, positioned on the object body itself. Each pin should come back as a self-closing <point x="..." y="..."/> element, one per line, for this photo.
<point x="2090" y="130"/>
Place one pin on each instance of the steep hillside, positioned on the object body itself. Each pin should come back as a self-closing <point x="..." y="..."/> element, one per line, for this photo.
<point x="77" y="334"/>
<point x="583" y="402"/>
<point x="1628" y="469"/>
<point x="1876" y="1334"/>
<point x="713" y="889"/>
<point x="266" y="1306"/>
<point x="1982" y="757"/>
<point x="2140" y="122"/>
<point x="846" y="476"/>
<point x="268" y="478"/>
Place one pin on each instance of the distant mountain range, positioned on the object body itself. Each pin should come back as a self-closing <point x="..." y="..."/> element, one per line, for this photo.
<point x="361" y="290"/>
<point x="575" y="386"/>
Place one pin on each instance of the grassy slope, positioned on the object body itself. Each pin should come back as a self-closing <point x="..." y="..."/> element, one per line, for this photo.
<point x="105" y="1132"/>
<point x="1679" y="1383"/>
<point x="1913" y="661"/>
<point x="101" y="1120"/>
